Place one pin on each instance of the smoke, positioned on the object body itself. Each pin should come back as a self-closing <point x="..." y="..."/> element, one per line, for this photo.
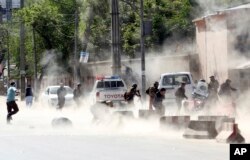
<point x="37" y="121"/>
<point x="211" y="6"/>
<point x="173" y="58"/>
<point x="53" y="70"/>
<point x="243" y="111"/>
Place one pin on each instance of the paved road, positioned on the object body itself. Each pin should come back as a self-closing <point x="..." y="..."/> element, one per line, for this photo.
<point x="31" y="137"/>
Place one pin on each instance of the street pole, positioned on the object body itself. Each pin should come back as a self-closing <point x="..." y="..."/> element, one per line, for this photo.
<point x="8" y="58"/>
<point x="116" y="39"/>
<point x="22" y="54"/>
<point x="75" y="44"/>
<point x="9" y="9"/>
<point x="143" y="74"/>
<point x="35" y="59"/>
<point x="1" y="14"/>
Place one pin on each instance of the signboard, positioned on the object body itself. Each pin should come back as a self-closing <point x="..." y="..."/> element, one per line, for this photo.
<point x="84" y="57"/>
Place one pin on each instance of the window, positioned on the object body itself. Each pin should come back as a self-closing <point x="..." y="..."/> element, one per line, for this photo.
<point x="181" y="78"/>
<point x="113" y="84"/>
<point x="69" y="90"/>
<point x="53" y="90"/>
<point x="107" y="84"/>
<point x="170" y="80"/>
<point x="47" y="91"/>
<point x="120" y="84"/>
<point x="100" y="84"/>
<point x="110" y="84"/>
<point x="167" y="81"/>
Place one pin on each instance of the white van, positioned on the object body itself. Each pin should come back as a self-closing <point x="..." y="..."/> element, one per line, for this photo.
<point x="171" y="82"/>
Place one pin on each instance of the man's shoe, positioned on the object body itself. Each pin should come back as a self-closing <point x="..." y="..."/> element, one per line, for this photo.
<point x="9" y="119"/>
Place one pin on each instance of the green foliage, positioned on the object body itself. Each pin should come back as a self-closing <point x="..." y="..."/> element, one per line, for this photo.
<point x="54" y="24"/>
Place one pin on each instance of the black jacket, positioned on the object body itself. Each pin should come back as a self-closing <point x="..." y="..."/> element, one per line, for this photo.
<point x="28" y="92"/>
<point x="158" y="100"/>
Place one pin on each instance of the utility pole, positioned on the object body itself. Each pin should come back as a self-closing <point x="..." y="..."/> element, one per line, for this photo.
<point x="76" y="42"/>
<point x="116" y="39"/>
<point x="8" y="57"/>
<point x="9" y="9"/>
<point x="22" y="54"/>
<point x="35" y="59"/>
<point x="1" y="14"/>
<point x="143" y="74"/>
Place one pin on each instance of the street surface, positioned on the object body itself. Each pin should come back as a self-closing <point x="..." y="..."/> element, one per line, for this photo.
<point x="30" y="136"/>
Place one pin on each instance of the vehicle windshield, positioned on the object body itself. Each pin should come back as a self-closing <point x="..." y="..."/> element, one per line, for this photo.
<point x="110" y="84"/>
<point x="175" y="79"/>
<point x="53" y="90"/>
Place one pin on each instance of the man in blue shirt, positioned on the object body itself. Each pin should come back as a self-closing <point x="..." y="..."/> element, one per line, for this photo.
<point x="12" y="107"/>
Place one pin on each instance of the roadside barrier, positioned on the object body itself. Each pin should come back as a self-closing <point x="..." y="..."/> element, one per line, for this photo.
<point x="61" y="122"/>
<point x="201" y="130"/>
<point x="230" y="134"/>
<point x="148" y="114"/>
<point x="219" y="120"/>
<point x="127" y="114"/>
<point x="174" y="122"/>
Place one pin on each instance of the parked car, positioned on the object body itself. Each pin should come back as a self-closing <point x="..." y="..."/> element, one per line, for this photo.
<point x="49" y="96"/>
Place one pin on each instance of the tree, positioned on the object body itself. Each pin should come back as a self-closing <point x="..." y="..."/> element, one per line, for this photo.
<point x="53" y="21"/>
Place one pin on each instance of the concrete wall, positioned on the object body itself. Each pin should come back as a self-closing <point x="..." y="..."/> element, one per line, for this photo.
<point x="155" y="66"/>
<point x="212" y="47"/>
<point x="223" y="41"/>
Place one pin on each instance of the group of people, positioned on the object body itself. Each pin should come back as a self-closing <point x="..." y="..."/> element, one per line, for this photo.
<point x="61" y="93"/>
<point x="12" y="107"/>
<point x="157" y="95"/>
<point x="215" y="90"/>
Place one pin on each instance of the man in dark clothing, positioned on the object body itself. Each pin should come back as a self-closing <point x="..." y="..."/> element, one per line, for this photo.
<point x="77" y="94"/>
<point x="28" y="96"/>
<point x="225" y="89"/>
<point x="129" y="96"/>
<point x="157" y="102"/>
<point x="180" y="95"/>
<point x="61" y="93"/>
<point x="213" y="89"/>
<point x="151" y="91"/>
